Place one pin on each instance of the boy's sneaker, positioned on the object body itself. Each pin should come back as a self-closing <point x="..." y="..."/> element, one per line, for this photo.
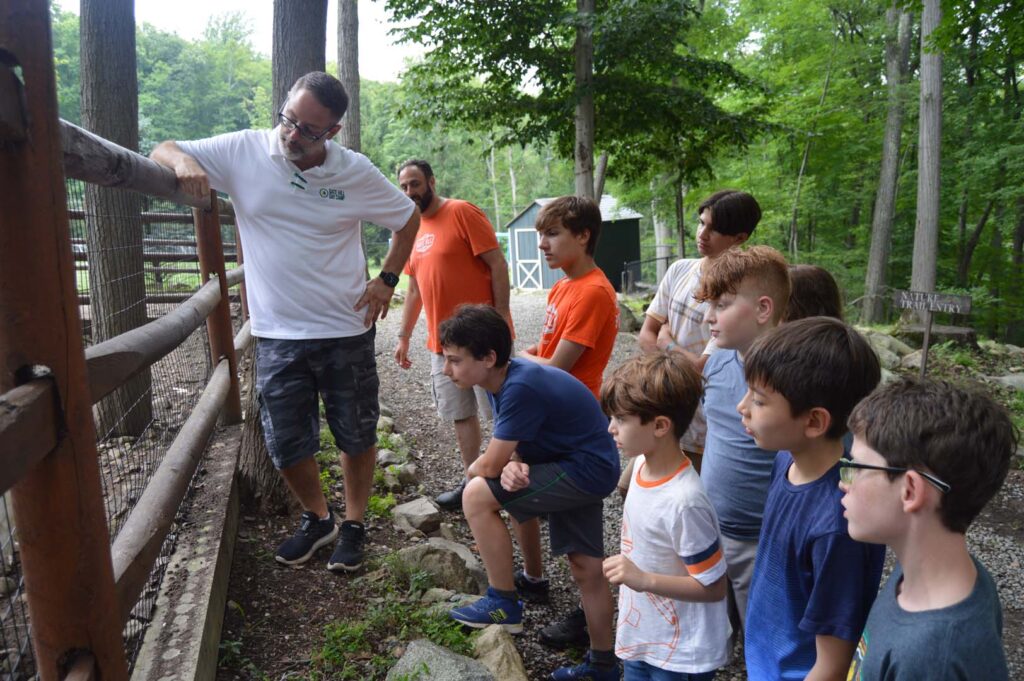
<point x="587" y="671"/>
<point x="571" y="631"/>
<point x="311" y="535"/>
<point x="349" y="553"/>
<point x="491" y="609"/>
<point x="532" y="591"/>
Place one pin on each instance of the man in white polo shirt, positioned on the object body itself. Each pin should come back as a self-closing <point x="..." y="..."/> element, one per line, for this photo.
<point x="298" y="201"/>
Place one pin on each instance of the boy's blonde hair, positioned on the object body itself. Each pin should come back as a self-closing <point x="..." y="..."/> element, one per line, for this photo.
<point x="660" y="384"/>
<point x="763" y="267"/>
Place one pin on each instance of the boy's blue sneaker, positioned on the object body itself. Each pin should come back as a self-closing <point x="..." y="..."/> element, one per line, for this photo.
<point x="587" y="671"/>
<point x="491" y="609"/>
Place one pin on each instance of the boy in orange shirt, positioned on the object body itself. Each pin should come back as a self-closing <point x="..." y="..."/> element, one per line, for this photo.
<point x="582" y="318"/>
<point x="579" y="332"/>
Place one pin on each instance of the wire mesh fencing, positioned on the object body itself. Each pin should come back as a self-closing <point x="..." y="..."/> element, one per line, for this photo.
<point x="135" y="260"/>
<point x="644" y="275"/>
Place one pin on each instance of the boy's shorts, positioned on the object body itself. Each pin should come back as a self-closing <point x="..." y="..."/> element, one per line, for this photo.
<point x="454" y="403"/>
<point x="291" y="376"/>
<point x="575" y="517"/>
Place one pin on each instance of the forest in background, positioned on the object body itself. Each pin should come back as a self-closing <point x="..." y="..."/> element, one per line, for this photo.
<point x="807" y="84"/>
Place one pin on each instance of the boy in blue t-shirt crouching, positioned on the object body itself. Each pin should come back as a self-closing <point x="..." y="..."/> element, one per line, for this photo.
<point x="550" y="454"/>
<point x="813" y="585"/>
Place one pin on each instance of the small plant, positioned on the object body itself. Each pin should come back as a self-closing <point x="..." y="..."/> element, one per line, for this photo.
<point x="380" y="506"/>
<point x="956" y="354"/>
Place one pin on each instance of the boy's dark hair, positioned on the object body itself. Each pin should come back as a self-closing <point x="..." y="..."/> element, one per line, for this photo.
<point x="813" y="293"/>
<point x="764" y="266"/>
<point x="327" y="89"/>
<point x="479" y="329"/>
<point x="961" y="436"/>
<point x="815" y="362"/>
<point x="660" y="384"/>
<point x="732" y="212"/>
<point x="577" y="214"/>
<point x="424" y="167"/>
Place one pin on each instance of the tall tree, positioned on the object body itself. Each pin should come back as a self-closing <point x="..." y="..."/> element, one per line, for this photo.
<point x="584" y="56"/>
<point x="348" y="71"/>
<point x="897" y="57"/>
<point x="300" y="38"/>
<point x="117" y="287"/>
<point x="926" y="231"/>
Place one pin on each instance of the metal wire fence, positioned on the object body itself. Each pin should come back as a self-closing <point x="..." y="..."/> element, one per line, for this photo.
<point x="140" y="269"/>
<point x="639" y="275"/>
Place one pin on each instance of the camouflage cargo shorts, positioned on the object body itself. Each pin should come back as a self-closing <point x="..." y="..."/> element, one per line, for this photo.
<point x="290" y="377"/>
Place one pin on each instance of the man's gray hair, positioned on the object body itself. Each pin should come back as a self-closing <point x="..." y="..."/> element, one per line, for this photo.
<point x="327" y="89"/>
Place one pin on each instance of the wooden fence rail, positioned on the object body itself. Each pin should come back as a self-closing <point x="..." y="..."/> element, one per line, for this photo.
<point x="80" y="587"/>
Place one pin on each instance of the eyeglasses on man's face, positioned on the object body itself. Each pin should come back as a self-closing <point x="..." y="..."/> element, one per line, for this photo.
<point x="304" y="131"/>
<point x="848" y="469"/>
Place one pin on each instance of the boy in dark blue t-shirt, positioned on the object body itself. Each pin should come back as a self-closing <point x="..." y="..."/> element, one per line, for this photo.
<point x="550" y="454"/>
<point x="813" y="585"/>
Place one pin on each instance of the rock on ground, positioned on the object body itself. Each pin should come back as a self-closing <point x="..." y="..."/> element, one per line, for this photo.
<point x="426" y="661"/>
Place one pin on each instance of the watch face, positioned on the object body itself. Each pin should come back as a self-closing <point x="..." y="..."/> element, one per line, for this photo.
<point x="389" y="278"/>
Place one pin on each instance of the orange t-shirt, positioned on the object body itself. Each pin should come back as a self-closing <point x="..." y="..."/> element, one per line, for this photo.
<point x="583" y="311"/>
<point x="446" y="264"/>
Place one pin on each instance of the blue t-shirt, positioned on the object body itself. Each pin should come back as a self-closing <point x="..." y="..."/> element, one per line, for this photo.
<point x="735" y="471"/>
<point x="810" y="577"/>
<point x="556" y="419"/>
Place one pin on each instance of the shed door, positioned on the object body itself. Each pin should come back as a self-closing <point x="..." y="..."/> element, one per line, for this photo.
<point x="527" y="257"/>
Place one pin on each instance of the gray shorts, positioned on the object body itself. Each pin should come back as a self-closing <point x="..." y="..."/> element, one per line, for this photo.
<point x="454" y="403"/>
<point x="575" y="517"/>
<point x="291" y="377"/>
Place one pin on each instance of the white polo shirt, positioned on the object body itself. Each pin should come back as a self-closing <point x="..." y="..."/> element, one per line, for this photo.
<point x="304" y="263"/>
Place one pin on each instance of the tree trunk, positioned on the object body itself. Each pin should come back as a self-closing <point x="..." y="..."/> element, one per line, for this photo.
<point x="300" y="43"/>
<point x="512" y="185"/>
<point x="117" y="285"/>
<point x="996" y="272"/>
<point x="662" y="235"/>
<point x="599" y="174"/>
<point x="261" y="487"/>
<point x="584" y="49"/>
<point x="926" y="231"/>
<point x="682" y="189"/>
<point x="964" y="266"/>
<point x="897" y="58"/>
<point x="492" y="173"/>
<point x="794" y="232"/>
<point x="348" y="72"/>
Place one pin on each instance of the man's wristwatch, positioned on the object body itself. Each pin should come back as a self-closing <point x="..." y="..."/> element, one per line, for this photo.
<point x="389" y="278"/>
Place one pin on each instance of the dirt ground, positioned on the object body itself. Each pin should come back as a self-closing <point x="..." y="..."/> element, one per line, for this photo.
<point x="276" y="616"/>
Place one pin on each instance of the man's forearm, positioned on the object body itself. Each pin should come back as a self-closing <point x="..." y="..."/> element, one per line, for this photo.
<point x="411" y="309"/>
<point x="500" y="287"/>
<point x="401" y="244"/>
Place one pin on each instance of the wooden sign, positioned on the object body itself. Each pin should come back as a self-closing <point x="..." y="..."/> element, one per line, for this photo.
<point x="932" y="302"/>
<point x="929" y="302"/>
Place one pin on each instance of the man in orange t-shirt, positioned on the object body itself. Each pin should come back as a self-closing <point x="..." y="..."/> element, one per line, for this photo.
<point x="456" y="260"/>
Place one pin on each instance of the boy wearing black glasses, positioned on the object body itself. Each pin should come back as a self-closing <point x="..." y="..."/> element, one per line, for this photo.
<point x="927" y="457"/>
<point x="813" y="585"/>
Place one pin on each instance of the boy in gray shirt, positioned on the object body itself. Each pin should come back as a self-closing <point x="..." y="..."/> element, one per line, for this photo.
<point x="927" y="456"/>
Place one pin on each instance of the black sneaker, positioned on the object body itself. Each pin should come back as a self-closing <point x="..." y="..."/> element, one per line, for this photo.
<point x="571" y="631"/>
<point x="532" y="592"/>
<point x="452" y="499"/>
<point x="349" y="553"/>
<point x="311" y="535"/>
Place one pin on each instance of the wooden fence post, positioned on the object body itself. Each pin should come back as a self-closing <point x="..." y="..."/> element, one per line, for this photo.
<point x="58" y="506"/>
<point x="210" y="248"/>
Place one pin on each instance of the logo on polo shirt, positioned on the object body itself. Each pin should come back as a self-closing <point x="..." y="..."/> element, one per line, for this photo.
<point x="329" y="193"/>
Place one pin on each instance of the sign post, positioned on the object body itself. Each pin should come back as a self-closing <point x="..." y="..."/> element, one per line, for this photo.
<point x="929" y="303"/>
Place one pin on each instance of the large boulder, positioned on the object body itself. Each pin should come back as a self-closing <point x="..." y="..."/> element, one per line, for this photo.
<point x="452" y="565"/>
<point x="1015" y="381"/>
<point x="425" y="661"/>
<point x="627" y="319"/>
<point x="495" y="649"/>
<point x="420" y="514"/>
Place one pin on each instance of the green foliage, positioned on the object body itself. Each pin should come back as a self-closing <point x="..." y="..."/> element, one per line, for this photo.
<point x="380" y="506"/>
<point x="955" y="354"/>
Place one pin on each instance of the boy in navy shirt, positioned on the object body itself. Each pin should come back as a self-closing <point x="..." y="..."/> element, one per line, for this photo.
<point x="550" y="454"/>
<point x="813" y="585"/>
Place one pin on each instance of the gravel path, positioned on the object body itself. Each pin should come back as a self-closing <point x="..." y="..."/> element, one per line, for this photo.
<point x="997" y="539"/>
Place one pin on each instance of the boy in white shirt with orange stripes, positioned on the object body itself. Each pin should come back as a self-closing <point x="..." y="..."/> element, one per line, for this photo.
<point x="673" y="616"/>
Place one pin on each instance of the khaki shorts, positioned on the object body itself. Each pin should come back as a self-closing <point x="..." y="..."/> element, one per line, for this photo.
<point x="454" y="403"/>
